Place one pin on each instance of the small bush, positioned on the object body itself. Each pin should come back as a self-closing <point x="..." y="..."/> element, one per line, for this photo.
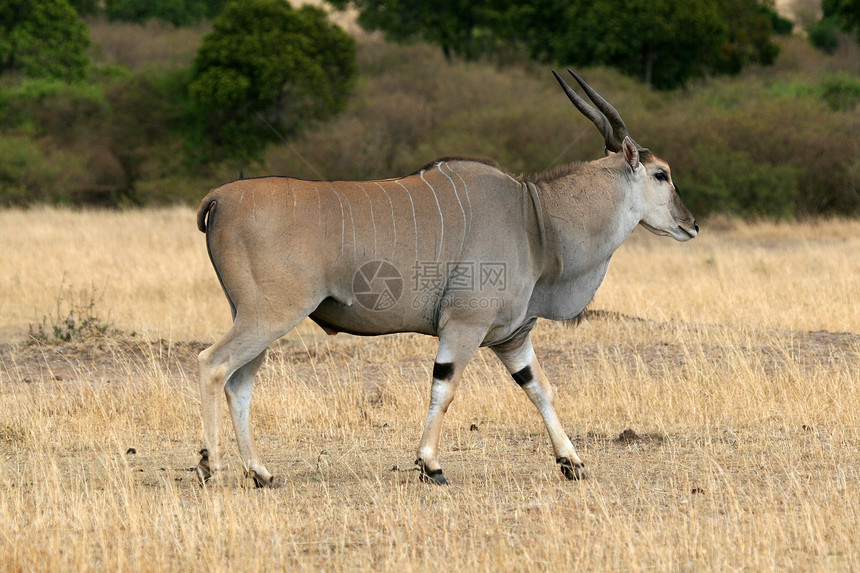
<point x="824" y="35"/>
<point x="841" y="92"/>
<point x="75" y="318"/>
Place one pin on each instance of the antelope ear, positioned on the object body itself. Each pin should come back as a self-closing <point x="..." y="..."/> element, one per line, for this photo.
<point x="631" y="153"/>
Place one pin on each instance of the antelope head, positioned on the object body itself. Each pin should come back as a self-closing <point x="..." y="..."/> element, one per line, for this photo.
<point x="663" y="211"/>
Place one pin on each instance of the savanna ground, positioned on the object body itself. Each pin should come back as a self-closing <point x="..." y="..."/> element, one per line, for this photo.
<point x="732" y="360"/>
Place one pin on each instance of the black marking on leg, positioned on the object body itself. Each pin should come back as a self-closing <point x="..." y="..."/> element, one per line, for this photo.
<point x="430" y="476"/>
<point x="570" y="470"/>
<point x="523" y="376"/>
<point x="443" y="371"/>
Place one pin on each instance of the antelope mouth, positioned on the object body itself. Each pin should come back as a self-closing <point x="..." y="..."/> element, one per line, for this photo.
<point x="691" y="233"/>
<point x="679" y="233"/>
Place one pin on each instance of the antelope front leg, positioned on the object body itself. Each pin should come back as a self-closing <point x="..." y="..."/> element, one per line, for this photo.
<point x="456" y="348"/>
<point x="521" y="362"/>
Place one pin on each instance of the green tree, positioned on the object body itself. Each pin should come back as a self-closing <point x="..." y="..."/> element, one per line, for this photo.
<point x="86" y="7"/>
<point x="842" y="13"/>
<point x="177" y="12"/>
<point x="661" y="41"/>
<point x="469" y="29"/>
<point x="750" y="25"/>
<point x="824" y="34"/>
<point x="43" y="39"/>
<point x="664" y="42"/>
<point x="267" y="69"/>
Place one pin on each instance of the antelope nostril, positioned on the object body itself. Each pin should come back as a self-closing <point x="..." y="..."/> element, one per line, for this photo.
<point x="696" y="226"/>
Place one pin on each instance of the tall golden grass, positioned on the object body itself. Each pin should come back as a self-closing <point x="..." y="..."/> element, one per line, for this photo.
<point x="730" y="357"/>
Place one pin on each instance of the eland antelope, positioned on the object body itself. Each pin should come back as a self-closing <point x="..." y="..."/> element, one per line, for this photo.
<point x="460" y="250"/>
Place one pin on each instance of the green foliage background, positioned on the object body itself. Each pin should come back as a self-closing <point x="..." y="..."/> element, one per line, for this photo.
<point x="776" y="141"/>
<point x="666" y="43"/>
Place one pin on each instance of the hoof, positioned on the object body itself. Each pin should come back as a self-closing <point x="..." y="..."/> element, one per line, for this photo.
<point x="260" y="482"/>
<point x="430" y="476"/>
<point x="570" y="470"/>
<point x="204" y="472"/>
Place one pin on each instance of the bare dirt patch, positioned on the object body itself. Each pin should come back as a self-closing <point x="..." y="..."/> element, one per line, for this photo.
<point x="122" y="357"/>
<point x="102" y="360"/>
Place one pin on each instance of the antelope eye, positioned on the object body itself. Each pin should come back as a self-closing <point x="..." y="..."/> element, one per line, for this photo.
<point x="661" y="176"/>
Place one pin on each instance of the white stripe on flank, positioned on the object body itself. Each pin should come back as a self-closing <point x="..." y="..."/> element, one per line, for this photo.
<point x="290" y="185"/>
<point x="466" y="191"/>
<point x="393" y="220"/>
<point x="342" y="219"/>
<point x="352" y="219"/>
<point x="441" y="217"/>
<point x="319" y="206"/>
<point x="457" y="195"/>
<point x="372" y="220"/>
<point x="414" y="221"/>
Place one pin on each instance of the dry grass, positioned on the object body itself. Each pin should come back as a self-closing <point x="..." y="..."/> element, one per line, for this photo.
<point x="746" y="413"/>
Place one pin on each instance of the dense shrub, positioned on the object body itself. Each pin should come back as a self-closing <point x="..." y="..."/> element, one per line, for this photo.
<point x="52" y="108"/>
<point x="26" y="174"/>
<point x="841" y="92"/>
<point x="733" y="183"/>
<point x="49" y="129"/>
<point x="266" y="70"/>
<point x="824" y="35"/>
<point x="44" y="39"/>
<point x="177" y="12"/>
<point x="30" y="174"/>
<point x="93" y="143"/>
<point x="846" y="13"/>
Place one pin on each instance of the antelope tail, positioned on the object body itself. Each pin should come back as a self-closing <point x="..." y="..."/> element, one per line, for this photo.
<point x="205" y="213"/>
<point x="205" y="216"/>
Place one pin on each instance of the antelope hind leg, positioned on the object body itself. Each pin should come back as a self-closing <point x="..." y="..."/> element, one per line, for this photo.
<point x="521" y="362"/>
<point x="238" y="392"/>
<point x="234" y="358"/>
